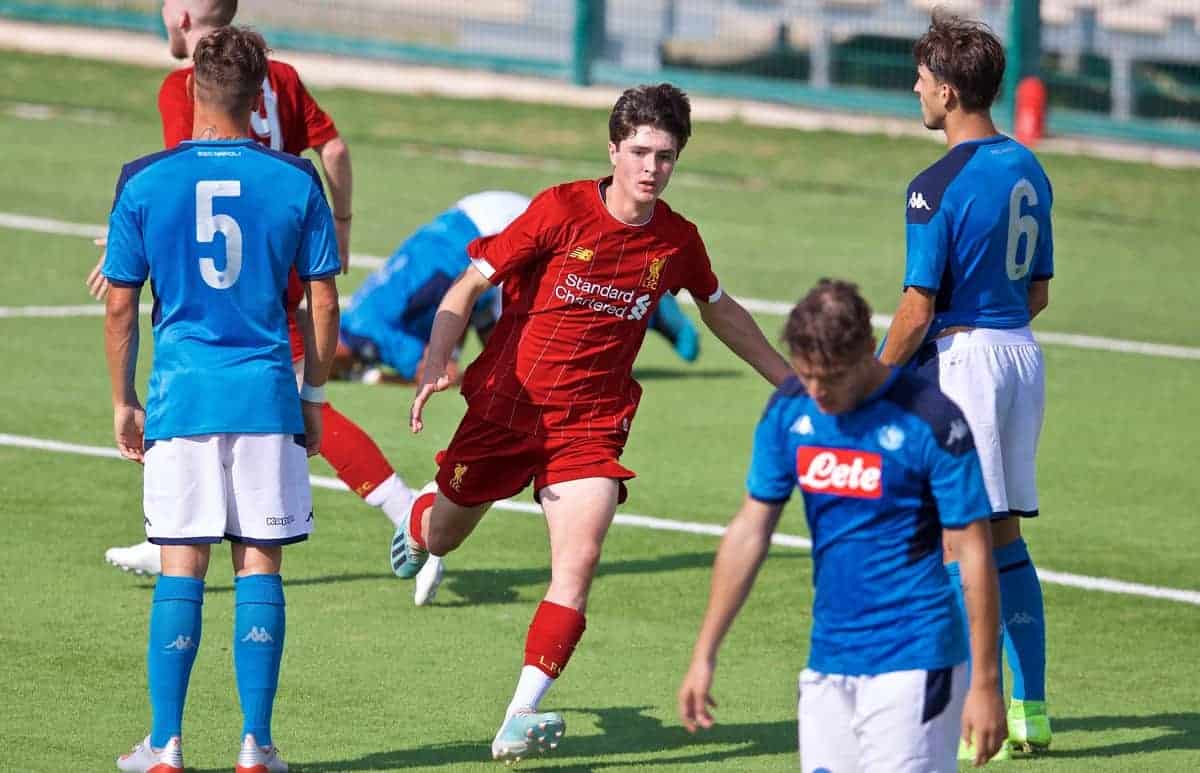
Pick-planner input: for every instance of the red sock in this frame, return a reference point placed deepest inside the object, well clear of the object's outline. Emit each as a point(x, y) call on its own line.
point(423, 505)
point(352, 453)
point(553, 634)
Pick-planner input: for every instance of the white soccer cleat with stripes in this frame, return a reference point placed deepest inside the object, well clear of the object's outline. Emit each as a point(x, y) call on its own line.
point(259, 759)
point(144, 758)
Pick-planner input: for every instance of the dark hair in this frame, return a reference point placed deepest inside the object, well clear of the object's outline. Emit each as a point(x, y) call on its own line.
point(965, 54)
point(663, 107)
point(231, 63)
point(831, 325)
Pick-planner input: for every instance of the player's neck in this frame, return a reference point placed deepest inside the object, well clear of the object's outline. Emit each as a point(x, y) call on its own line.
point(625, 208)
point(965, 127)
point(211, 125)
point(877, 375)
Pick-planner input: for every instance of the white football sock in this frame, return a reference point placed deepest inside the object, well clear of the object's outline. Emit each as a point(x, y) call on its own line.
point(393, 497)
point(531, 687)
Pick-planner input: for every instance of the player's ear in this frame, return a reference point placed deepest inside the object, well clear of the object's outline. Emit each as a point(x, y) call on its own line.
point(191, 88)
point(258, 102)
point(612, 153)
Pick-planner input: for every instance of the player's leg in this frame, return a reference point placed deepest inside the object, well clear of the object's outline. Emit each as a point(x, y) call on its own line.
point(1022, 608)
point(578, 514)
point(826, 717)
point(669, 321)
point(270, 506)
point(358, 462)
point(184, 506)
point(910, 721)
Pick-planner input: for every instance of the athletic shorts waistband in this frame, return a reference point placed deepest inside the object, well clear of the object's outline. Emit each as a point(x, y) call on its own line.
point(986, 336)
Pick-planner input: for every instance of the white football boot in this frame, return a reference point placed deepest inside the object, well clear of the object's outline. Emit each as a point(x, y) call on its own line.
point(259, 759)
point(142, 558)
point(144, 758)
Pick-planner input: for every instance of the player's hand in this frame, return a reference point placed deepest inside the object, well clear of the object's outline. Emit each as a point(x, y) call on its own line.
point(432, 380)
point(128, 424)
point(342, 229)
point(984, 723)
point(694, 698)
point(312, 426)
point(97, 283)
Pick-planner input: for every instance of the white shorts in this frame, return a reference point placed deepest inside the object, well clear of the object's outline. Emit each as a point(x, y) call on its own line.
point(997, 378)
point(898, 722)
point(244, 488)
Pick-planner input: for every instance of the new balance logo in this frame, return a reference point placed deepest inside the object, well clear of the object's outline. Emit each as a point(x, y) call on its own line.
point(642, 305)
point(917, 201)
point(259, 635)
point(803, 425)
point(181, 644)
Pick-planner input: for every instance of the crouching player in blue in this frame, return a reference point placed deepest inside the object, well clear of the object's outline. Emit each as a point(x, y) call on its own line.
point(216, 225)
point(390, 318)
point(886, 465)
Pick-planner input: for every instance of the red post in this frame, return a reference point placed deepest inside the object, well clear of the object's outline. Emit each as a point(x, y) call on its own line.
point(1029, 122)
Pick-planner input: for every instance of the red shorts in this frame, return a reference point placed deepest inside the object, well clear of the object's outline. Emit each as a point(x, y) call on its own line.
point(486, 462)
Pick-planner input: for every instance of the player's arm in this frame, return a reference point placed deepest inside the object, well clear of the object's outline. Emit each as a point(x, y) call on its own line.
point(320, 331)
point(1039, 296)
point(739, 557)
point(983, 713)
point(339, 176)
point(449, 327)
point(731, 323)
point(121, 351)
point(909, 326)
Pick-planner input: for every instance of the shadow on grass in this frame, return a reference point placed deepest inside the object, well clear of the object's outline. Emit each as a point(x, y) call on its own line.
point(1178, 732)
point(682, 372)
point(624, 731)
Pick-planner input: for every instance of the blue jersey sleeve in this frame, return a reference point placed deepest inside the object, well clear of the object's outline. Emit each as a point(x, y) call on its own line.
point(1043, 259)
point(318, 254)
point(928, 247)
point(125, 263)
point(772, 473)
point(955, 477)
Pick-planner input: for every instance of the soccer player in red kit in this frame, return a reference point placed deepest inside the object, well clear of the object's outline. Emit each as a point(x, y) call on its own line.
point(551, 398)
point(290, 120)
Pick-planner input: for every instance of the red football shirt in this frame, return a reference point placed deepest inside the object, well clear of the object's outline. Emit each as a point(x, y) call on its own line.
point(289, 120)
point(579, 286)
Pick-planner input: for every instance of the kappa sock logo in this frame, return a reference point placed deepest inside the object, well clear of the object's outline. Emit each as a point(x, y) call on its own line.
point(181, 644)
point(259, 635)
point(1021, 618)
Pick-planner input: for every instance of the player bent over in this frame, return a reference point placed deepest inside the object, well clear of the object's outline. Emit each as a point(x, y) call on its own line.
point(551, 398)
point(886, 465)
point(216, 225)
point(288, 119)
point(980, 258)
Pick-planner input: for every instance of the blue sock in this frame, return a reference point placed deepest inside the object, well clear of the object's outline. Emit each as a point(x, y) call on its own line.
point(258, 628)
point(956, 584)
point(171, 651)
point(1024, 620)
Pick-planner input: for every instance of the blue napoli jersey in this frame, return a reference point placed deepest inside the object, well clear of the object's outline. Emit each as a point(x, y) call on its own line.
point(216, 226)
point(879, 485)
point(978, 232)
point(403, 295)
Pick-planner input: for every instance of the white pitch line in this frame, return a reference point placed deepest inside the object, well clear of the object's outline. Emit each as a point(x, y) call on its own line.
point(1083, 582)
point(753, 305)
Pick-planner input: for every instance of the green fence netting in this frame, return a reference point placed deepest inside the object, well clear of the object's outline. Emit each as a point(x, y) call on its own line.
point(1126, 68)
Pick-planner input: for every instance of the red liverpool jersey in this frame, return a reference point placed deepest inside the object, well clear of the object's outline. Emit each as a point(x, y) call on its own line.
point(579, 287)
point(289, 120)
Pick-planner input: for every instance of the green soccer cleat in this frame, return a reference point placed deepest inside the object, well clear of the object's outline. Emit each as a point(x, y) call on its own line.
point(407, 556)
point(1028, 726)
point(966, 752)
point(526, 732)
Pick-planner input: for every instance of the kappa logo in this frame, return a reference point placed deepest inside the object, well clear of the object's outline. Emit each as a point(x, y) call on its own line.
point(958, 431)
point(459, 471)
point(844, 472)
point(917, 201)
point(181, 644)
point(258, 635)
point(1021, 618)
point(640, 307)
point(803, 426)
point(582, 253)
point(654, 273)
point(279, 520)
point(891, 437)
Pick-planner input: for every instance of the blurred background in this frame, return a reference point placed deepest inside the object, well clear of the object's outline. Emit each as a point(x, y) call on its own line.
point(1126, 69)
